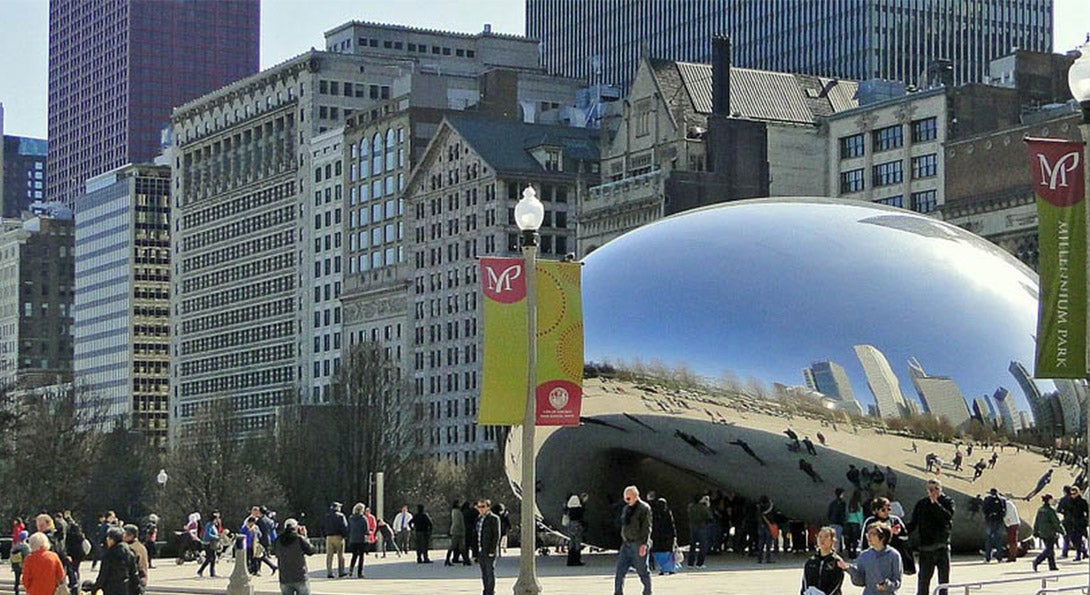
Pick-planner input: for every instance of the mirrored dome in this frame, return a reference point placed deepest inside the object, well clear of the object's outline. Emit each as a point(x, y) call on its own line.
point(880, 305)
point(865, 310)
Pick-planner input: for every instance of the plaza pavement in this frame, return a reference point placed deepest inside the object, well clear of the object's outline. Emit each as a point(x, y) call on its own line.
point(726, 574)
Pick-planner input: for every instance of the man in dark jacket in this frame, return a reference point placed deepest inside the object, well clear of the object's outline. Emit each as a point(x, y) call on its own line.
point(635, 538)
point(73, 547)
point(932, 520)
point(292, 549)
point(421, 525)
point(336, 530)
point(117, 575)
point(837, 515)
point(487, 532)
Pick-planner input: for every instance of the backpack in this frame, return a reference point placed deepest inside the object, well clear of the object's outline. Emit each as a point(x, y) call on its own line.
point(994, 508)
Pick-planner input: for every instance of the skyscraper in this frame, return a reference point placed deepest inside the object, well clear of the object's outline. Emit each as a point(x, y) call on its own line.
point(1046, 417)
point(1004, 403)
point(882, 382)
point(121, 329)
point(902, 40)
point(939, 394)
point(118, 67)
point(830, 379)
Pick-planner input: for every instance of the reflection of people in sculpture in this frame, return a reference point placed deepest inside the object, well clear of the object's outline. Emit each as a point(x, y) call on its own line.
point(821, 438)
point(695, 442)
point(1041, 483)
point(747, 449)
point(791, 434)
point(809, 446)
point(808, 469)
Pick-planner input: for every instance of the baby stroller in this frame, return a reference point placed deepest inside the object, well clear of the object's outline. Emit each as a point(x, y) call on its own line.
point(189, 548)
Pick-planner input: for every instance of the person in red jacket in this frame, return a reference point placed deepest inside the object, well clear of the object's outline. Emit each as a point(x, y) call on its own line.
point(42, 569)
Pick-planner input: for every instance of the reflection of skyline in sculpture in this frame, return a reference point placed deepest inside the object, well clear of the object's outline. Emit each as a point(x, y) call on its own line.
point(830, 379)
point(1004, 404)
point(922, 289)
point(940, 395)
point(882, 382)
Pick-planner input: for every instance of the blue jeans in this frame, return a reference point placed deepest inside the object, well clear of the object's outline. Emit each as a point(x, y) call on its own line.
point(629, 557)
point(302, 588)
point(994, 539)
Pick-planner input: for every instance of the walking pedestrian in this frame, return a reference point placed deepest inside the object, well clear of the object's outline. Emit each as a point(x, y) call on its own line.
point(764, 517)
point(822, 571)
point(635, 535)
point(837, 514)
point(699, 518)
point(878, 569)
point(1047, 528)
point(42, 572)
point(292, 548)
point(663, 536)
point(457, 549)
point(209, 538)
point(401, 528)
point(117, 574)
point(932, 521)
point(132, 532)
point(1011, 523)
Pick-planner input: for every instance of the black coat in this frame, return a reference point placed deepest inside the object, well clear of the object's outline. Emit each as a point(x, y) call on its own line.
point(822, 572)
point(117, 574)
point(490, 534)
point(932, 522)
point(663, 529)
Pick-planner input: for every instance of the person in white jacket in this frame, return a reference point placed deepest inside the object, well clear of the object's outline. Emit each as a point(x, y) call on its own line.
point(1011, 522)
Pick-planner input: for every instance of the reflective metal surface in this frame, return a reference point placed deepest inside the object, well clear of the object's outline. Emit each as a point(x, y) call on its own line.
point(763, 289)
point(863, 303)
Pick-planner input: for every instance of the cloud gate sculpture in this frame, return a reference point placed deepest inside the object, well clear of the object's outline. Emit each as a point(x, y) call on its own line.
point(863, 309)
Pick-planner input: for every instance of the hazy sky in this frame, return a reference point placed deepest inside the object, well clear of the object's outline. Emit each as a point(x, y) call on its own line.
point(290, 27)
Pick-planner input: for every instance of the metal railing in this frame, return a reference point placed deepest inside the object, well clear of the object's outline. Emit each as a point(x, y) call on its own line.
point(1073, 589)
point(1044, 579)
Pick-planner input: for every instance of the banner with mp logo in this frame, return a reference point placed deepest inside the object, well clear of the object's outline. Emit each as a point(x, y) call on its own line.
point(559, 388)
point(1058, 182)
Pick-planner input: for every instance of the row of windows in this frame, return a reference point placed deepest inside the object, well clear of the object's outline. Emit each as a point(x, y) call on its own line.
point(421, 48)
point(890, 137)
point(236, 251)
point(246, 336)
point(221, 384)
point(888, 173)
point(235, 229)
point(248, 270)
point(349, 89)
point(322, 368)
point(252, 313)
point(239, 294)
point(239, 359)
point(327, 343)
point(921, 202)
point(322, 317)
point(330, 242)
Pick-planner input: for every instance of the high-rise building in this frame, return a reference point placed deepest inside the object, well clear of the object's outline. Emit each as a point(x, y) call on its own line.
point(459, 205)
point(122, 304)
point(36, 298)
point(913, 41)
point(882, 382)
point(118, 67)
point(23, 160)
point(940, 395)
point(1047, 415)
point(982, 409)
point(1004, 403)
point(830, 379)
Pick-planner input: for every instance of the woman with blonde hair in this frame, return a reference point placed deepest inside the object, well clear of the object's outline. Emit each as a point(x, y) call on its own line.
point(42, 569)
point(357, 539)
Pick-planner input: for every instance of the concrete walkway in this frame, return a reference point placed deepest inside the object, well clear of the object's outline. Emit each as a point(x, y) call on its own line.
point(726, 574)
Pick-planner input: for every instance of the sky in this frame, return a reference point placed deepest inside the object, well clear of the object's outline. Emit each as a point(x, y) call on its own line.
point(290, 27)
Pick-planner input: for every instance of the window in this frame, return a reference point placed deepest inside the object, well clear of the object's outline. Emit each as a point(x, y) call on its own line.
point(924, 130)
point(924, 202)
point(893, 201)
point(851, 181)
point(887, 138)
point(890, 172)
point(851, 146)
point(924, 166)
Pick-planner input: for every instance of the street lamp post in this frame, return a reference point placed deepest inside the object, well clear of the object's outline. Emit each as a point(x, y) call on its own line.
point(1078, 78)
point(529, 213)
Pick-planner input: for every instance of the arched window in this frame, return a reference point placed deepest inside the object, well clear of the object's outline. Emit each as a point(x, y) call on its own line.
point(376, 154)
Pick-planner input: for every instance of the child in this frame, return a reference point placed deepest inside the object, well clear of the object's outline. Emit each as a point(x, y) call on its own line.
point(19, 552)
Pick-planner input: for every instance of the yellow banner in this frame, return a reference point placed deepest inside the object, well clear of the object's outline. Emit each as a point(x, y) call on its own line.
point(559, 342)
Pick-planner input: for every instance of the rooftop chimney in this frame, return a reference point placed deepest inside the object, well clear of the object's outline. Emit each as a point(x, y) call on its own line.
point(721, 75)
